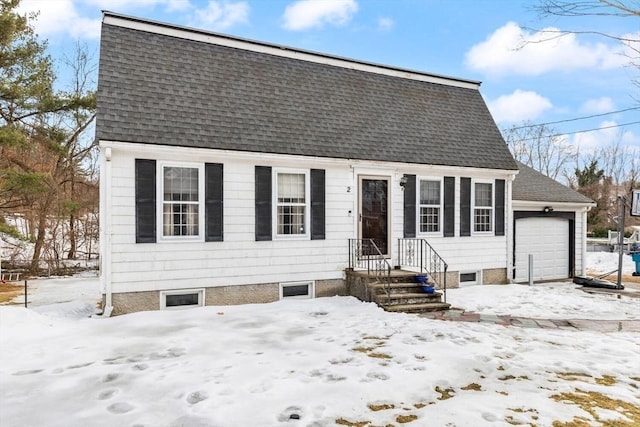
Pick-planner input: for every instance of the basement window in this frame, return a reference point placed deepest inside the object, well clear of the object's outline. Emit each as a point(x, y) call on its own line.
point(181, 299)
point(469, 278)
point(297, 290)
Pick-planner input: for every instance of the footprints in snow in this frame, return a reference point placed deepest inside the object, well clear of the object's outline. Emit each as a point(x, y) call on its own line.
point(120, 408)
point(197, 397)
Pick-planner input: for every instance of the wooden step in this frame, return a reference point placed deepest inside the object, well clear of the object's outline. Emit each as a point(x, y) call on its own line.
point(417, 308)
point(407, 298)
point(410, 287)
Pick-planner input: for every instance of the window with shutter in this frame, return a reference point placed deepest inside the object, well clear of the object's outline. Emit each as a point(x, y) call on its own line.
point(178, 200)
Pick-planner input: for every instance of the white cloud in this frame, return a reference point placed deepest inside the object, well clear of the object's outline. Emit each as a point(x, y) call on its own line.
point(385, 24)
point(609, 133)
point(514, 50)
point(221, 15)
point(519, 106)
point(60, 16)
point(306, 14)
point(598, 105)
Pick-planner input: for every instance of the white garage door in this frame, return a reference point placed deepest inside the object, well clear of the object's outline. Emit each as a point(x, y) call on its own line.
point(547, 239)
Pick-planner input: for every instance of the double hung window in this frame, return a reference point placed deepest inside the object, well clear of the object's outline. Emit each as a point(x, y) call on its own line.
point(483, 207)
point(291, 203)
point(181, 201)
point(430, 206)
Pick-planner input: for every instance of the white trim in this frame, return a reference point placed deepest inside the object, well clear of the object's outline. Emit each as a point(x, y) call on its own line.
point(160, 165)
point(163, 298)
point(440, 231)
point(635, 202)
point(509, 228)
point(274, 203)
point(106, 229)
point(583, 244)
point(371, 167)
point(282, 51)
point(520, 205)
point(310, 294)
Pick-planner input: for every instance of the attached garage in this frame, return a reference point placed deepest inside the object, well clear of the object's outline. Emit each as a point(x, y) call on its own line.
point(549, 223)
point(547, 240)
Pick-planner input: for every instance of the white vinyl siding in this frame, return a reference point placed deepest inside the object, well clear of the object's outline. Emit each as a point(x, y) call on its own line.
point(239, 259)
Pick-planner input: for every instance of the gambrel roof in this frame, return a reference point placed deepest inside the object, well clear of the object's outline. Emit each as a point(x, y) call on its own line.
point(531, 185)
point(169, 85)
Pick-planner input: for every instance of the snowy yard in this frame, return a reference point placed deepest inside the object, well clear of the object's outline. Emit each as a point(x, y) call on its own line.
point(322, 362)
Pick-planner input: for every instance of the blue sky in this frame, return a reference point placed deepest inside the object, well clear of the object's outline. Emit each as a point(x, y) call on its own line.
point(565, 79)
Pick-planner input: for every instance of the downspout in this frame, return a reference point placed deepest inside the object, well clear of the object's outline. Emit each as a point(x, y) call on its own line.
point(107, 233)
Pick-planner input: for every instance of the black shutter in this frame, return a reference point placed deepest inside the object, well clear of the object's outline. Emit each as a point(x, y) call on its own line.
point(449, 205)
point(499, 209)
point(465, 206)
point(263, 203)
point(213, 202)
point(145, 171)
point(317, 204)
point(410, 206)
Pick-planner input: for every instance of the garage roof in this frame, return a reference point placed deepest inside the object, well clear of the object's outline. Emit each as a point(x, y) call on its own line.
point(531, 185)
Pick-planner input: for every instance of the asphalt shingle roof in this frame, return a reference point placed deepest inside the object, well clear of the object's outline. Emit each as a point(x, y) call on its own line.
point(158, 89)
point(531, 185)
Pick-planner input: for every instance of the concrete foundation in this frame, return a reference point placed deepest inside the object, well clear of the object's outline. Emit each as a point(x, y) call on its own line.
point(130, 302)
point(495, 276)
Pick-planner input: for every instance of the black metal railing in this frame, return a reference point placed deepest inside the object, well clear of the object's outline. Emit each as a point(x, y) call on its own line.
point(418, 253)
point(364, 254)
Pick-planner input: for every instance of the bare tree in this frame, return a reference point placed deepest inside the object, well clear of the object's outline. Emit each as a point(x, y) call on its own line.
point(616, 160)
point(539, 147)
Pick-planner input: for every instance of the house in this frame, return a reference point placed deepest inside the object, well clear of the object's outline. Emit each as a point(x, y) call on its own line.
point(236, 171)
point(550, 224)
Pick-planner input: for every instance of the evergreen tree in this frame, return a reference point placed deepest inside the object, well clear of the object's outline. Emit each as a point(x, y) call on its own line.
point(41, 158)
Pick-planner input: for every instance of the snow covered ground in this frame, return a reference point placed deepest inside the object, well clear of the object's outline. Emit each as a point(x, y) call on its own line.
point(323, 362)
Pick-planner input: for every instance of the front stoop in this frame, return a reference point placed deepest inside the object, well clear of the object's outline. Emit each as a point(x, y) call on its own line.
point(405, 296)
